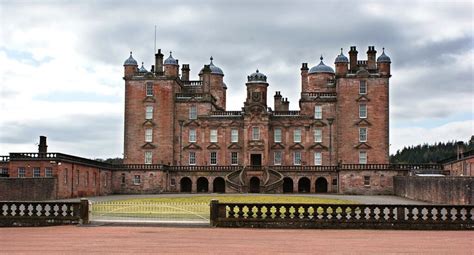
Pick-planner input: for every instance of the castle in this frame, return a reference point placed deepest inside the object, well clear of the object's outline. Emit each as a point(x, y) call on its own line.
point(179, 136)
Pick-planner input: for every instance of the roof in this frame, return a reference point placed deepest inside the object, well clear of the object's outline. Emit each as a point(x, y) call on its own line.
point(321, 68)
point(130, 61)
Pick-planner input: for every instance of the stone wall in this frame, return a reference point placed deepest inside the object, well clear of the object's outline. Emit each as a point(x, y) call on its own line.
point(367, 182)
point(27, 189)
point(453, 190)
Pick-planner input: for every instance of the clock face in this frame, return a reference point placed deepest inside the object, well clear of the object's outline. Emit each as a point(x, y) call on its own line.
point(256, 96)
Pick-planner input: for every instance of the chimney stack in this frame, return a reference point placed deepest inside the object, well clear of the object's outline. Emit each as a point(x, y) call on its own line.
point(185, 72)
point(353, 59)
point(460, 149)
point(159, 63)
point(42, 147)
point(371, 52)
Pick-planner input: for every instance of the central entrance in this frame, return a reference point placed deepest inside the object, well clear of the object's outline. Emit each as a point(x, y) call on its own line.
point(255, 159)
point(254, 185)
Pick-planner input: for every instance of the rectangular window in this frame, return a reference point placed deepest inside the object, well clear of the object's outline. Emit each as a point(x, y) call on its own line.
point(213, 137)
point(148, 135)
point(234, 135)
point(149, 112)
point(318, 135)
point(362, 157)
point(297, 158)
point(255, 133)
point(234, 158)
point(4, 171)
point(277, 135)
point(36, 172)
point(86, 180)
point(213, 158)
point(318, 159)
point(362, 88)
point(318, 112)
point(137, 180)
point(277, 155)
point(193, 112)
point(297, 136)
point(366, 180)
point(192, 135)
point(149, 89)
point(362, 111)
point(192, 158)
point(77, 177)
point(48, 172)
point(65, 176)
point(148, 157)
point(363, 134)
point(21, 172)
point(123, 179)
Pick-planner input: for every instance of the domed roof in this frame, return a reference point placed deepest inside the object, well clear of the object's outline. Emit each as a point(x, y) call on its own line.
point(130, 61)
point(321, 68)
point(170, 60)
point(142, 69)
point(214, 69)
point(257, 77)
point(383, 58)
point(341, 58)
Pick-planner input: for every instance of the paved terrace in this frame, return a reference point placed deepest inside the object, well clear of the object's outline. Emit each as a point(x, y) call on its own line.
point(160, 240)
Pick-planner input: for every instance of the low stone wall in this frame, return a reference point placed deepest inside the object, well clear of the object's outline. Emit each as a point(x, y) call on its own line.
point(27, 189)
point(453, 190)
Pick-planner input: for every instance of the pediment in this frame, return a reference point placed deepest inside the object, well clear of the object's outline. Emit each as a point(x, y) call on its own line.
point(236, 124)
point(148, 146)
point(363, 122)
point(362, 73)
point(256, 145)
point(318, 146)
point(277, 146)
point(234, 146)
point(192, 123)
point(192, 146)
point(148, 123)
point(149, 99)
point(363, 98)
point(297, 146)
point(363, 145)
point(213, 146)
point(318, 123)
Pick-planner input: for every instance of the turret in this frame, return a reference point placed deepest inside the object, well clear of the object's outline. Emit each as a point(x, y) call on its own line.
point(257, 89)
point(318, 77)
point(383, 64)
point(341, 63)
point(353, 58)
point(185, 72)
point(216, 84)
point(371, 52)
point(130, 66)
point(171, 66)
point(304, 76)
point(158, 63)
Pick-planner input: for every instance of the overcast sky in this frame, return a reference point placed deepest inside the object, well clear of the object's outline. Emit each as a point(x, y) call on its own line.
point(61, 61)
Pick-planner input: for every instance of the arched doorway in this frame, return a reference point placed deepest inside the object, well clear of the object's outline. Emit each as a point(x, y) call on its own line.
point(218, 185)
point(185, 184)
point(202, 184)
point(254, 185)
point(287, 185)
point(304, 185)
point(321, 185)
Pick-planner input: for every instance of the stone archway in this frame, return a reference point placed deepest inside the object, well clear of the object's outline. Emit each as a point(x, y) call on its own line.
point(321, 185)
point(202, 184)
point(287, 185)
point(185, 184)
point(304, 185)
point(218, 185)
point(254, 186)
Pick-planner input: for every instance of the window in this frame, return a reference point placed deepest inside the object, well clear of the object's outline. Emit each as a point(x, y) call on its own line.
point(297, 158)
point(86, 180)
point(48, 172)
point(65, 176)
point(362, 111)
point(123, 178)
point(234, 158)
point(277, 135)
point(149, 113)
point(137, 180)
point(4, 171)
point(192, 158)
point(363, 134)
point(318, 135)
point(297, 136)
point(192, 135)
point(366, 180)
point(234, 135)
point(193, 112)
point(277, 158)
point(213, 138)
point(149, 89)
point(148, 135)
point(77, 177)
point(94, 180)
point(362, 88)
point(36, 172)
point(21, 172)
point(318, 160)
point(255, 133)
point(213, 158)
point(148, 157)
point(362, 157)
point(318, 112)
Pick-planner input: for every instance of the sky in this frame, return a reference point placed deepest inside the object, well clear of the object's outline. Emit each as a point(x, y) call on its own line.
point(62, 61)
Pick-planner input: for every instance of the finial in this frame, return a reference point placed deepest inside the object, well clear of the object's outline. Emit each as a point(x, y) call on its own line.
point(383, 50)
point(130, 53)
point(257, 70)
point(142, 63)
point(321, 58)
point(341, 51)
point(171, 53)
point(211, 59)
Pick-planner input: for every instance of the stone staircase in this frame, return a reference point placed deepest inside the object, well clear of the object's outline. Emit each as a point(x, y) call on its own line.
point(237, 180)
